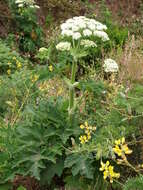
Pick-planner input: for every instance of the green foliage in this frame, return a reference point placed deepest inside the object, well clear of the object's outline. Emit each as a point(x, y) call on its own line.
point(135, 183)
point(21, 188)
point(9, 58)
point(29, 32)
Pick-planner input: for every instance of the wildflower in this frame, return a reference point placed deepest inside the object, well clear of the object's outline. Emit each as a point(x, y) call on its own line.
point(67, 33)
point(76, 35)
point(83, 139)
point(108, 171)
point(18, 65)
point(51, 68)
point(34, 78)
point(87, 32)
point(63, 46)
point(110, 66)
point(8, 71)
point(121, 148)
point(101, 34)
point(87, 43)
point(82, 126)
point(81, 26)
point(88, 130)
point(23, 3)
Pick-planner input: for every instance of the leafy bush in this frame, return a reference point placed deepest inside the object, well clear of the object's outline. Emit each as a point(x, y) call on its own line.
point(29, 32)
point(10, 60)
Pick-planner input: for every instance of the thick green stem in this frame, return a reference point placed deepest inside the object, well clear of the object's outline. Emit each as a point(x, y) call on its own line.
point(72, 89)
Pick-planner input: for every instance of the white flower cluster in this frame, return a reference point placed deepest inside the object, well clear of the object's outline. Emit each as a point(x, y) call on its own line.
point(63, 46)
point(87, 43)
point(82, 26)
point(28, 3)
point(110, 66)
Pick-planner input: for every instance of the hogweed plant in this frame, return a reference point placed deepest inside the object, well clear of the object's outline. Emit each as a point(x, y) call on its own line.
point(79, 34)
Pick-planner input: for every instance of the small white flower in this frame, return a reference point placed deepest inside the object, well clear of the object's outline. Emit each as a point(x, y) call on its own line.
point(110, 66)
point(87, 43)
point(91, 26)
point(63, 46)
point(65, 26)
point(101, 34)
point(67, 33)
point(76, 35)
point(28, 3)
point(87, 32)
point(75, 28)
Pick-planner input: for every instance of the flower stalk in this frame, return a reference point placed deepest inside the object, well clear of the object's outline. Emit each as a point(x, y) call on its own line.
point(72, 90)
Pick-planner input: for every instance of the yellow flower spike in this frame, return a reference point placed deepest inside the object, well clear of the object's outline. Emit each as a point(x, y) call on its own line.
point(102, 166)
point(123, 140)
point(89, 137)
point(51, 68)
point(81, 140)
point(117, 150)
point(8, 71)
point(18, 65)
point(126, 149)
point(82, 126)
point(85, 138)
point(107, 163)
point(105, 174)
point(117, 142)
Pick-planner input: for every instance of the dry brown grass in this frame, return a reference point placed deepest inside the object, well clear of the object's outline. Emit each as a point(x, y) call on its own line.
point(130, 59)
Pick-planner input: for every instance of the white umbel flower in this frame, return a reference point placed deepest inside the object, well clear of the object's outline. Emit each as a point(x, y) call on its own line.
point(101, 34)
point(87, 43)
point(85, 26)
point(67, 33)
point(76, 35)
point(87, 32)
point(63, 46)
point(110, 66)
point(28, 3)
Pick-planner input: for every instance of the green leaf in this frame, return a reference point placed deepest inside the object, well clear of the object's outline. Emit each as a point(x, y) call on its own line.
point(79, 164)
point(21, 188)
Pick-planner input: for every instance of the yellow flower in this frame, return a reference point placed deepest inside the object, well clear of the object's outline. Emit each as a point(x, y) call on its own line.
point(8, 71)
point(51, 68)
point(14, 58)
point(108, 171)
point(121, 148)
point(18, 65)
point(83, 139)
point(117, 142)
point(126, 149)
point(34, 78)
point(82, 126)
point(117, 150)
point(105, 174)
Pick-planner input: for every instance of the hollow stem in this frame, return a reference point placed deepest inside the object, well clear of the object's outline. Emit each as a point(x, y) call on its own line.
point(72, 90)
